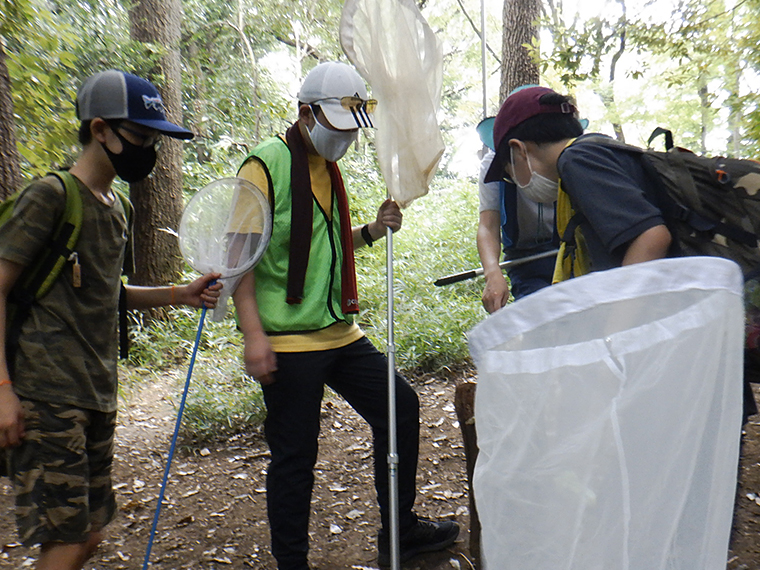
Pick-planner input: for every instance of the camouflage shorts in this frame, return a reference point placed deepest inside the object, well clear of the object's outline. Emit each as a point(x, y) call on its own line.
point(62, 473)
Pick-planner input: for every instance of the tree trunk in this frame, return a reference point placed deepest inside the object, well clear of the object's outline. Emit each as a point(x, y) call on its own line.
point(199, 105)
point(158, 199)
point(733, 75)
point(10, 172)
point(704, 112)
point(607, 92)
point(517, 67)
point(464, 404)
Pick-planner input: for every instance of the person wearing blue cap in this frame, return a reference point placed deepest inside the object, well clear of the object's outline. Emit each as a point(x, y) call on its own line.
point(58, 386)
point(512, 223)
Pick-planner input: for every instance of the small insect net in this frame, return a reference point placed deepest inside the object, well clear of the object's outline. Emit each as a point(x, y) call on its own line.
point(225, 229)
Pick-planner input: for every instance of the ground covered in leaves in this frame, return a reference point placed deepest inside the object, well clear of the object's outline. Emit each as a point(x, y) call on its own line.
point(214, 509)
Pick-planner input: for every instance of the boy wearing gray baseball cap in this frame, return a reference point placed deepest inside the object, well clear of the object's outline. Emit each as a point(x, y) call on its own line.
point(58, 385)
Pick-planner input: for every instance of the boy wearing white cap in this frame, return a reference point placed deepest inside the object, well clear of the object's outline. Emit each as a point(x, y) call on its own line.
point(58, 388)
point(296, 311)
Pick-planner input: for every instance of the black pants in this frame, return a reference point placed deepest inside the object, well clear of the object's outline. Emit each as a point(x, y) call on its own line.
point(359, 373)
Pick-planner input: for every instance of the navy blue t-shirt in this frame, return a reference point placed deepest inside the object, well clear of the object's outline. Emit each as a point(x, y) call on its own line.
point(615, 196)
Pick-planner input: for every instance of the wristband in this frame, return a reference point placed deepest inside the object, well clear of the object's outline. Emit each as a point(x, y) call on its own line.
point(4, 382)
point(366, 235)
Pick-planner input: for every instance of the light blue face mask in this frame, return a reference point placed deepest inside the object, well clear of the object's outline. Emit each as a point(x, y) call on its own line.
point(331, 145)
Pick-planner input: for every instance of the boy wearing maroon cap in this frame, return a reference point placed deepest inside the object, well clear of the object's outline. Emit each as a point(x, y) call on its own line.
point(620, 222)
point(58, 390)
point(611, 195)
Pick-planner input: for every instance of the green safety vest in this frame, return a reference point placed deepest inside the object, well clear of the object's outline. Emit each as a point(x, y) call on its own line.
point(321, 304)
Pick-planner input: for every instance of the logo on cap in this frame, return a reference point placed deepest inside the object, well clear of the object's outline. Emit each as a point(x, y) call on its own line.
point(154, 103)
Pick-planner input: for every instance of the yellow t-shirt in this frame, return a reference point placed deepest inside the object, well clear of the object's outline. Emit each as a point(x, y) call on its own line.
point(321, 185)
point(334, 336)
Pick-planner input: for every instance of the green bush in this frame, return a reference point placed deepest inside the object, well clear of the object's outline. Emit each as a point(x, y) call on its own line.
point(223, 400)
point(437, 239)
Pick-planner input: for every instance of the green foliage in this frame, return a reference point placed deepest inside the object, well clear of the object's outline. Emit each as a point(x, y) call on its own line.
point(41, 63)
point(461, 95)
point(580, 48)
point(52, 47)
point(437, 239)
point(16, 16)
point(161, 344)
point(749, 39)
point(243, 62)
point(687, 69)
point(223, 400)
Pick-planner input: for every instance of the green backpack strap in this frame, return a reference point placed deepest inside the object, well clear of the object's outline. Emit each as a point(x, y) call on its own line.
point(127, 205)
point(45, 271)
point(37, 279)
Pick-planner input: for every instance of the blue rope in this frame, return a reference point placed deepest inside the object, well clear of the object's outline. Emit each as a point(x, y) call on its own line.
point(174, 438)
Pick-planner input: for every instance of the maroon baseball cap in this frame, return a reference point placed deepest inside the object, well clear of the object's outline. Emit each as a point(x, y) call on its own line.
point(520, 106)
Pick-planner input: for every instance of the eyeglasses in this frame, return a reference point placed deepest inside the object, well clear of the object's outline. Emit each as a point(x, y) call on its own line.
point(146, 141)
point(352, 103)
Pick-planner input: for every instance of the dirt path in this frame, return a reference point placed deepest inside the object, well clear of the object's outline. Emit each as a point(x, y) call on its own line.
point(213, 516)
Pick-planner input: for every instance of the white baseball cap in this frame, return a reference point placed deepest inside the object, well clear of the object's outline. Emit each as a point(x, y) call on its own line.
point(341, 94)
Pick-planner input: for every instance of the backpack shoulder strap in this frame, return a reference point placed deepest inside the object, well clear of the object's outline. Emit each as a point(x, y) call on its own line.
point(64, 237)
point(129, 209)
point(44, 272)
point(39, 277)
point(509, 228)
point(129, 212)
point(572, 259)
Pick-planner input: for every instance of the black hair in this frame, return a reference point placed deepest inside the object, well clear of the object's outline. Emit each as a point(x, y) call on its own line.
point(313, 106)
point(85, 136)
point(545, 127)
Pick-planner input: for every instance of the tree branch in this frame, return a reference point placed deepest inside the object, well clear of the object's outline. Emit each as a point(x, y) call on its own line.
point(309, 51)
point(477, 31)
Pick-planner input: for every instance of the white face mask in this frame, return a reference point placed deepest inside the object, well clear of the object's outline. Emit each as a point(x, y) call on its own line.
point(539, 188)
point(331, 145)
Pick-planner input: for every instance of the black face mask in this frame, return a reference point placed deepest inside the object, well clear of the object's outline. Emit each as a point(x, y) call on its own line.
point(134, 163)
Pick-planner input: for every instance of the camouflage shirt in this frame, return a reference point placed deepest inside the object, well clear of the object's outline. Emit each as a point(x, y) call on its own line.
point(68, 345)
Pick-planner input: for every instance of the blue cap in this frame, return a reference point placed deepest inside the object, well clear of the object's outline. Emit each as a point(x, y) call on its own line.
point(115, 94)
point(485, 131)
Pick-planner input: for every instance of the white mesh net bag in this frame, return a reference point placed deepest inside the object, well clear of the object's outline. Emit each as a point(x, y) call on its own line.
point(394, 49)
point(225, 228)
point(608, 414)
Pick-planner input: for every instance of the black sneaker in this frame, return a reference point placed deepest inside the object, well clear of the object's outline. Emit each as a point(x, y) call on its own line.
point(425, 536)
